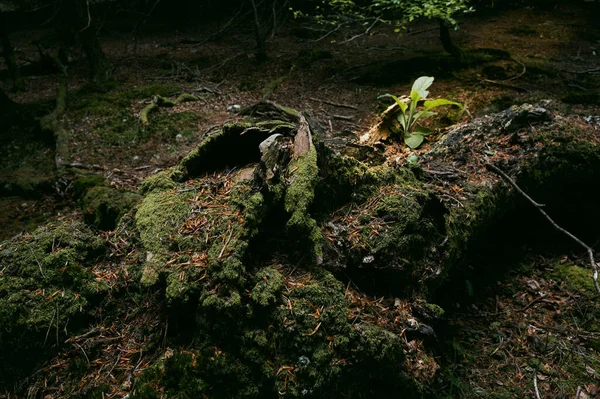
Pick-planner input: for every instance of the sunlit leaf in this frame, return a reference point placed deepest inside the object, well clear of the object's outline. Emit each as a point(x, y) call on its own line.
point(421, 85)
point(430, 104)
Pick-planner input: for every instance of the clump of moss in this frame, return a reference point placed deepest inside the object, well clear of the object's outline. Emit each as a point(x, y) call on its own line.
point(46, 292)
point(299, 197)
point(160, 181)
point(104, 206)
point(575, 278)
point(269, 283)
point(158, 218)
point(82, 184)
point(294, 338)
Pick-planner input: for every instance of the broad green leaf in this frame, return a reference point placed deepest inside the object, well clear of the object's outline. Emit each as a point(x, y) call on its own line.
point(423, 114)
point(430, 104)
point(402, 120)
point(421, 85)
point(402, 105)
point(423, 131)
point(415, 97)
point(413, 140)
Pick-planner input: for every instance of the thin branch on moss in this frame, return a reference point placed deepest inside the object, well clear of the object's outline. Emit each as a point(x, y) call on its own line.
point(589, 250)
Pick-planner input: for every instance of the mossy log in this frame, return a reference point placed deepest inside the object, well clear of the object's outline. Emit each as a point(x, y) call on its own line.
point(250, 269)
point(160, 101)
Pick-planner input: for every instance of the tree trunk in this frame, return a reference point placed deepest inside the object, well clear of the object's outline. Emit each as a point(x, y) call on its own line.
point(447, 42)
point(79, 15)
point(9, 54)
point(261, 51)
point(5, 102)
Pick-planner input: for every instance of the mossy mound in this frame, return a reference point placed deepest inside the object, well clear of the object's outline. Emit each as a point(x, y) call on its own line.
point(104, 206)
point(299, 338)
point(47, 290)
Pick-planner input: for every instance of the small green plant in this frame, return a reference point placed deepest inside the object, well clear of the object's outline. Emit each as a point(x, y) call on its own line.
point(408, 116)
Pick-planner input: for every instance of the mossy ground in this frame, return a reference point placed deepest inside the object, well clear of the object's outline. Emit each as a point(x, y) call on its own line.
point(46, 293)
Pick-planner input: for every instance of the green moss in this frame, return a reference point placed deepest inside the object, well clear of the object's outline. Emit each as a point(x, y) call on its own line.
point(435, 310)
point(269, 283)
point(105, 101)
point(575, 278)
point(161, 181)
point(158, 219)
point(299, 197)
point(296, 339)
point(47, 291)
point(82, 184)
point(104, 206)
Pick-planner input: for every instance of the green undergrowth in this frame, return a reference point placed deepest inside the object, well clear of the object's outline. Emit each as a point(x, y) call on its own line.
point(46, 292)
point(109, 109)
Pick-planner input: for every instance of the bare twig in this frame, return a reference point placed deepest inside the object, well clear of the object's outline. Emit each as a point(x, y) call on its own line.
point(589, 250)
point(512, 183)
point(587, 71)
point(84, 354)
point(89, 16)
point(343, 117)
point(364, 33)
point(332, 103)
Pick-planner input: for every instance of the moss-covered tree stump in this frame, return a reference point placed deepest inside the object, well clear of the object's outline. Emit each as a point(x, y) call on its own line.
point(268, 264)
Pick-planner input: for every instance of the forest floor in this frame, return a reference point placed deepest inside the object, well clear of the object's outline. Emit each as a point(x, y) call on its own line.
point(541, 321)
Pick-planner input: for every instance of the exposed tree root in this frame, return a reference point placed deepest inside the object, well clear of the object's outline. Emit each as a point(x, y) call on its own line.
point(160, 101)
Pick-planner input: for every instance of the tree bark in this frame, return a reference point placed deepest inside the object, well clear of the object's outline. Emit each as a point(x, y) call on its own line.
point(447, 42)
point(79, 14)
point(261, 51)
point(5, 101)
point(9, 54)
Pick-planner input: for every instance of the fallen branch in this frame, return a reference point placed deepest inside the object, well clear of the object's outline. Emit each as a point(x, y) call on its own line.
point(160, 101)
point(343, 117)
point(333, 104)
point(589, 250)
point(79, 165)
